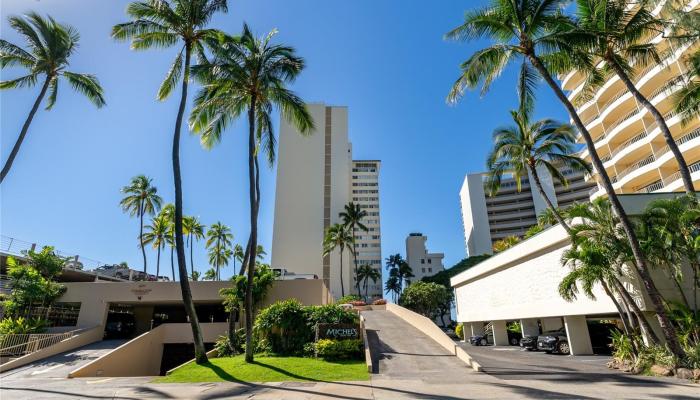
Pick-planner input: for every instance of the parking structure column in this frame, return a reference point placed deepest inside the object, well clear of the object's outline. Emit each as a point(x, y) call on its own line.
point(477, 328)
point(500, 333)
point(529, 327)
point(551, 324)
point(577, 333)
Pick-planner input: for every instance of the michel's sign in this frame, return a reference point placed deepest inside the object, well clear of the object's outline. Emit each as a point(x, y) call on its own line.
point(337, 331)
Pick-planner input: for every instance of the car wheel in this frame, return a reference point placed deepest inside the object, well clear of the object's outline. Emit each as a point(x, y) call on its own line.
point(563, 348)
point(514, 341)
point(483, 342)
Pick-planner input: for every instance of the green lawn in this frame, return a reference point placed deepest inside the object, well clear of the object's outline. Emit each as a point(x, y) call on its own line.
point(269, 369)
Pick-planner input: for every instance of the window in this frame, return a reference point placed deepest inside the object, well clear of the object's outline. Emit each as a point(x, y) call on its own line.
point(430, 270)
point(430, 261)
point(423, 270)
point(422, 260)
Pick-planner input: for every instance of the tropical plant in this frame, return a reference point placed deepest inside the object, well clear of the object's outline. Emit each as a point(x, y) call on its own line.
point(21, 326)
point(161, 24)
point(621, 36)
point(364, 274)
point(526, 148)
point(141, 198)
point(443, 277)
point(334, 349)
point(505, 243)
point(209, 275)
point(234, 296)
point(249, 75)
point(542, 37)
point(49, 48)
point(194, 231)
point(219, 242)
point(195, 275)
point(352, 217)
point(33, 282)
point(238, 254)
point(168, 215)
point(338, 237)
point(348, 298)
point(157, 235)
point(427, 299)
point(399, 268)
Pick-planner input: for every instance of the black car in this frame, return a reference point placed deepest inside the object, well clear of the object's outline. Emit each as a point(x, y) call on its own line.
point(554, 342)
point(120, 326)
point(487, 339)
point(529, 342)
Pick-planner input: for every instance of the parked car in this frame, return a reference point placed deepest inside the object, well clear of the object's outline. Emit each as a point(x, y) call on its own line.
point(529, 342)
point(487, 339)
point(554, 342)
point(120, 326)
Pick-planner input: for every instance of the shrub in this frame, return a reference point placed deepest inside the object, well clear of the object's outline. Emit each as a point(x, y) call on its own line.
point(284, 325)
point(348, 299)
point(225, 348)
point(379, 302)
point(21, 325)
point(459, 331)
point(330, 314)
point(339, 349)
point(358, 303)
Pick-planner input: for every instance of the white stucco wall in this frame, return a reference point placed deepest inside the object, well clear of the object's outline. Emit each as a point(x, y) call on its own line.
point(475, 221)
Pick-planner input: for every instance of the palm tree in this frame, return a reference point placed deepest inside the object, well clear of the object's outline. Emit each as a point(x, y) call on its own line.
point(157, 234)
point(338, 237)
point(219, 241)
point(160, 24)
point(194, 231)
point(195, 276)
point(209, 275)
point(541, 36)
point(521, 149)
point(140, 198)
point(238, 254)
point(364, 274)
point(49, 48)
point(399, 268)
point(352, 217)
point(249, 74)
point(621, 38)
point(392, 286)
point(168, 214)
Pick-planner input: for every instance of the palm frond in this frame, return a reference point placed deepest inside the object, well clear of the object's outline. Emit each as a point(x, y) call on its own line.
point(88, 85)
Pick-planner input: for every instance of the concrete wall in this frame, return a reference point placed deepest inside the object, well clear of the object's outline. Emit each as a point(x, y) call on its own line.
point(83, 338)
point(424, 325)
point(142, 356)
point(95, 297)
point(522, 282)
point(475, 221)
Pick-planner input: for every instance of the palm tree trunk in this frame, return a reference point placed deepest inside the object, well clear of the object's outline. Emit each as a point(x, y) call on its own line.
point(143, 250)
point(231, 329)
point(354, 259)
point(342, 285)
point(682, 165)
point(23, 132)
point(191, 257)
point(172, 262)
point(244, 262)
point(623, 316)
point(639, 260)
point(538, 183)
point(636, 310)
point(158, 264)
point(199, 350)
point(253, 232)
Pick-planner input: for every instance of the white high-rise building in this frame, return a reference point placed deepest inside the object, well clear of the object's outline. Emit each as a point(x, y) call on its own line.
point(488, 219)
point(421, 262)
point(314, 183)
point(368, 245)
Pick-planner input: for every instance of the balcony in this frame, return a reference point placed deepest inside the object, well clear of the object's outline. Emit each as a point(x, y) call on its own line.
point(658, 185)
point(645, 161)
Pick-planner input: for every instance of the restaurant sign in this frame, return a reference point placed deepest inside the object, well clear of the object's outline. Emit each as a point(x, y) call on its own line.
point(337, 331)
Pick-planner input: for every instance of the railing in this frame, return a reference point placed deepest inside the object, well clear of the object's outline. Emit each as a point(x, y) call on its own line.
point(667, 86)
point(695, 167)
point(658, 185)
point(639, 136)
point(623, 119)
point(591, 119)
point(683, 139)
point(16, 345)
point(18, 248)
point(645, 161)
point(666, 117)
point(593, 190)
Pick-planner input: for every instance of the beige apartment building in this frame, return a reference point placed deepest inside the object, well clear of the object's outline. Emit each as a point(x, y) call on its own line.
point(316, 178)
point(627, 138)
point(511, 212)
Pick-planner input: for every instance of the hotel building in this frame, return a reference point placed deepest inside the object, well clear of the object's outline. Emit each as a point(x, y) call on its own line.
point(421, 262)
point(488, 219)
point(627, 138)
point(316, 178)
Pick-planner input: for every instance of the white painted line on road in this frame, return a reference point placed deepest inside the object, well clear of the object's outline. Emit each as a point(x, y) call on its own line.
point(43, 371)
point(100, 380)
point(505, 349)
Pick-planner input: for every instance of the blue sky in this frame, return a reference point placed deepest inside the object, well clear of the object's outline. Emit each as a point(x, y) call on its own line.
point(384, 59)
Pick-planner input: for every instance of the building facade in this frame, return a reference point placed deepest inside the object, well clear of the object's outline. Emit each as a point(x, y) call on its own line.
point(314, 183)
point(627, 138)
point(488, 219)
point(421, 262)
point(368, 245)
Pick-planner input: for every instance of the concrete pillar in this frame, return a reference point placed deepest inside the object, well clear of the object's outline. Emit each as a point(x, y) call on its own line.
point(477, 328)
point(500, 333)
point(551, 324)
point(529, 327)
point(577, 332)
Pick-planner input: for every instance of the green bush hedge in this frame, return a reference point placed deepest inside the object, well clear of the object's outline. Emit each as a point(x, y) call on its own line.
point(339, 349)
